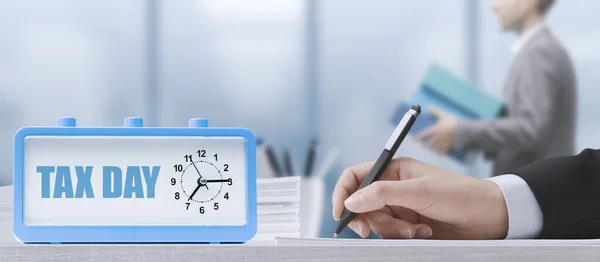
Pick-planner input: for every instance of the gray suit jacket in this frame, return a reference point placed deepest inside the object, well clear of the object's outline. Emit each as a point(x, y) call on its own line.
point(540, 110)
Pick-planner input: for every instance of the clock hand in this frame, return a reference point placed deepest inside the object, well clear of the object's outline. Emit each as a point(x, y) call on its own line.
point(193, 163)
point(195, 190)
point(217, 180)
point(196, 169)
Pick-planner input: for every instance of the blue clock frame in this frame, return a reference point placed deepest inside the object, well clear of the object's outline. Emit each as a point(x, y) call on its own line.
point(134, 234)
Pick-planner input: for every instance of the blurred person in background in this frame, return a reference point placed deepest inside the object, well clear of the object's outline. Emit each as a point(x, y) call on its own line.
point(539, 96)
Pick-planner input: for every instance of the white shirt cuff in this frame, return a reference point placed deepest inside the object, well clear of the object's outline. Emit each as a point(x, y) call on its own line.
point(525, 219)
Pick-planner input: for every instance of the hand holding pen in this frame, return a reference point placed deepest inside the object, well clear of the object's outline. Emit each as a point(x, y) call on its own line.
point(412, 199)
point(382, 162)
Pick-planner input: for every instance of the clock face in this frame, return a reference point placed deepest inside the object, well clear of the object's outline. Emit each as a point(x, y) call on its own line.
point(202, 181)
point(83, 180)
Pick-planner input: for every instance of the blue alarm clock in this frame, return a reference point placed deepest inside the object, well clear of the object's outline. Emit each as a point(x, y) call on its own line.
point(134, 184)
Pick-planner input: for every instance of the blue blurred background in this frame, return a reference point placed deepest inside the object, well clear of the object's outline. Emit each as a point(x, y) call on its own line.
point(289, 70)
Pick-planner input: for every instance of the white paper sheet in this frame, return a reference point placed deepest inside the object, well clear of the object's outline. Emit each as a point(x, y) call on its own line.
point(296, 241)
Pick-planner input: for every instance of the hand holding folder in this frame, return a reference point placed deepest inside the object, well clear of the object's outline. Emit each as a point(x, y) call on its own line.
point(448, 92)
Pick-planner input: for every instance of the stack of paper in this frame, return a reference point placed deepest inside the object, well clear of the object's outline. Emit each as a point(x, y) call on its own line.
point(278, 207)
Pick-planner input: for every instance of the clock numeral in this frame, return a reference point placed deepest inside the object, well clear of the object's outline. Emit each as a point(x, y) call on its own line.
point(226, 195)
point(202, 153)
point(229, 182)
point(216, 206)
point(201, 210)
point(173, 181)
point(226, 168)
point(188, 158)
point(216, 157)
point(178, 168)
point(187, 205)
point(177, 195)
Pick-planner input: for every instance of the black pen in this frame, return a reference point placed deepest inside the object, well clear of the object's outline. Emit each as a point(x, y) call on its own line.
point(287, 157)
point(310, 158)
point(384, 159)
point(273, 161)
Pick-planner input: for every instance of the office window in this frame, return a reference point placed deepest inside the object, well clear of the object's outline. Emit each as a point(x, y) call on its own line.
point(237, 63)
point(580, 35)
point(68, 58)
point(373, 55)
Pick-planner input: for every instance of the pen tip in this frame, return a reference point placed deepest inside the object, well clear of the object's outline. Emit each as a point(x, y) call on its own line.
point(335, 235)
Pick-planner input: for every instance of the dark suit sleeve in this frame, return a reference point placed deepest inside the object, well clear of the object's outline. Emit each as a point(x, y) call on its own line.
point(568, 192)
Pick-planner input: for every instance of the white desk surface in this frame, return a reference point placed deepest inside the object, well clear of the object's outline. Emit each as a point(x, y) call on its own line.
point(12, 250)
